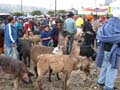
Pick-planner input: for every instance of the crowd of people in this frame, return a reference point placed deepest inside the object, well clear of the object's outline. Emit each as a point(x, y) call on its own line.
point(105, 32)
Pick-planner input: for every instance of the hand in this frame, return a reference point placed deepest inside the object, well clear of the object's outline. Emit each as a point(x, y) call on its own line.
point(13, 45)
point(49, 37)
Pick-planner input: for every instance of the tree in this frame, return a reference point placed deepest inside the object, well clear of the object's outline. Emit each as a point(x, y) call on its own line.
point(51, 12)
point(36, 12)
point(61, 11)
point(18, 14)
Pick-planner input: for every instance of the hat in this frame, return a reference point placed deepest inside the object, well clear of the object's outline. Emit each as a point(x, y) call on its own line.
point(45, 25)
point(70, 14)
point(103, 18)
point(79, 22)
point(89, 17)
point(58, 20)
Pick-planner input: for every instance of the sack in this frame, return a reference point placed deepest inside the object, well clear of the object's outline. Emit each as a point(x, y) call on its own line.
point(51, 43)
point(15, 53)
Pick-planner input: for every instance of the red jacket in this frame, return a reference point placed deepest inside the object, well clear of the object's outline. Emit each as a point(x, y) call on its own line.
point(26, 26)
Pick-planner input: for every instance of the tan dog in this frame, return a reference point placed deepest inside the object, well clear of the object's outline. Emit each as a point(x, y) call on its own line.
point(61, 63)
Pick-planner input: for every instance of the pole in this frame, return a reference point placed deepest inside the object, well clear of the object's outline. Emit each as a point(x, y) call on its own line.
point(96, 7)
point(21, 6)
point(55, 8)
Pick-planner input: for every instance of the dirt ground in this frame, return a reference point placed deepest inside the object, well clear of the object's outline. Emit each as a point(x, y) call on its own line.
point(76, 82)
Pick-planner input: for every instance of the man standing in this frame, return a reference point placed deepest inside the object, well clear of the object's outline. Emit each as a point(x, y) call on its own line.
point(108, 38)
point(11, 38)
point(71, 28)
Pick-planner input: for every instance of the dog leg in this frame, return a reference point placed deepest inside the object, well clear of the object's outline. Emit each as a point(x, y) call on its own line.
point(25, 59)
point(38, 85)
point(16, 83)
point(58, 76)
point(35, 70)
point(66, 77)
point(50, 72)
point(28, 61)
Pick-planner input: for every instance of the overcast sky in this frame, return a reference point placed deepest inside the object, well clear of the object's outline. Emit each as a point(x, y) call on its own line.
point(61, 4)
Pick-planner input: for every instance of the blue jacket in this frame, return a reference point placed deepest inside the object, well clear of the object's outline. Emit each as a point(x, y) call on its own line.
point(45, 34)
point(45, 22)
point(19, 25)
point(109, 32)
point(10, 35)
point(70, 26)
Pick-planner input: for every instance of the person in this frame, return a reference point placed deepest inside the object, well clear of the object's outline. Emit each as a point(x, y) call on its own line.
point(19, 26)
point(88, 30)
point(45, 21)
point(46, 35)
point(55, 31)
point(27, 27)
point(79, 24)
point(108, 37)
point(11, 38)
point(71, 28)
point(2, 28)
point(103, 19)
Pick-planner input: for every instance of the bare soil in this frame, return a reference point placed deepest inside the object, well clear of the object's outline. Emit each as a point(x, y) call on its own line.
point(76, 81)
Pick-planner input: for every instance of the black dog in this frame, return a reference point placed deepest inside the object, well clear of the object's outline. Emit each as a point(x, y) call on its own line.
point(88, 51)
point(24, 48)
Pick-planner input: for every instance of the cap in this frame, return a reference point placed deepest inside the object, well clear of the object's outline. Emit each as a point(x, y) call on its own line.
point(58, 20)
point(70, 14)
point(89, 17)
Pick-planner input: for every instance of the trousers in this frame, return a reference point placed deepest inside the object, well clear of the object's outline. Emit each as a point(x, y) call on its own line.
point(107, 74)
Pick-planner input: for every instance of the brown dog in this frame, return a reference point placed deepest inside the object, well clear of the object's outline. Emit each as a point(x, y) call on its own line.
point(16, 68)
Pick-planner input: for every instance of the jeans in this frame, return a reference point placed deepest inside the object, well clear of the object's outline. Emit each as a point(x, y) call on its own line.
point(107, 74)
point(69, 44)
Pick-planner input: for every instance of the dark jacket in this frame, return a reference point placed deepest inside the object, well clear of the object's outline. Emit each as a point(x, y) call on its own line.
point(55, 33)
point(87, 27)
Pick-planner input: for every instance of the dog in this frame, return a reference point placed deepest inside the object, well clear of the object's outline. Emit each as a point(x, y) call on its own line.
point(16, 68)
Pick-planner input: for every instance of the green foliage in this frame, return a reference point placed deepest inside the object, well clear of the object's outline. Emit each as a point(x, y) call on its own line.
point(36, 12)
point(51, 12)
point(18, 14)
point(61, 11)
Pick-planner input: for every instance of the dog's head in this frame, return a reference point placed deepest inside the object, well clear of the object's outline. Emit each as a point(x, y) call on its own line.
point(58, 50)
point(26, 77)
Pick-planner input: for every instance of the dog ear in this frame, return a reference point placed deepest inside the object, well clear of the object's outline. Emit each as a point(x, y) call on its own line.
point(60, 46)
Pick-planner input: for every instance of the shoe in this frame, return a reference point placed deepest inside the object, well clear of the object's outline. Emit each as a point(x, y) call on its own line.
point(100, 84)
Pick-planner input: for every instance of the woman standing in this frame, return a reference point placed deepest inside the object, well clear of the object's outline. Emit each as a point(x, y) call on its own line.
point(11, 38)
